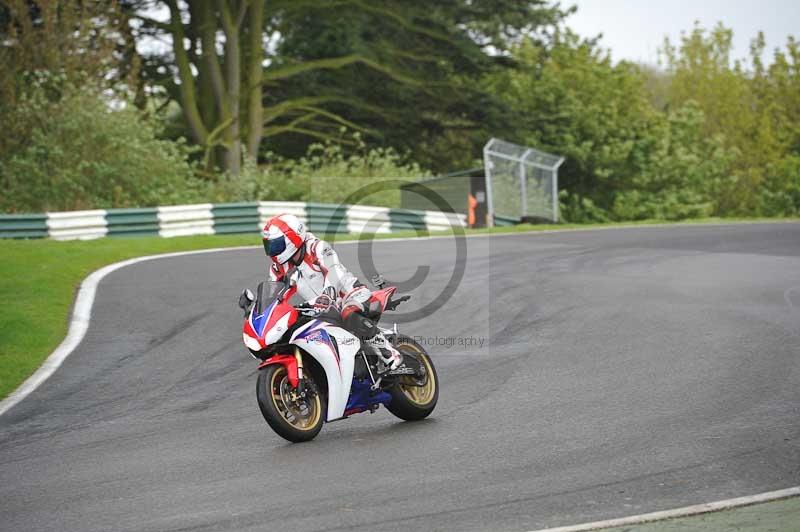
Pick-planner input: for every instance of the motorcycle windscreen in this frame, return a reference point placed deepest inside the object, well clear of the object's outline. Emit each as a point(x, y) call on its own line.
point(266, 293)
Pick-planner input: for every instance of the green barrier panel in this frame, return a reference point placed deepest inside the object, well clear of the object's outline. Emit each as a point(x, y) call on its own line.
point(326, 219)
point(236, 218)
point(132, 222)
point(405, 220)
point(505, 221)
point(23, 226)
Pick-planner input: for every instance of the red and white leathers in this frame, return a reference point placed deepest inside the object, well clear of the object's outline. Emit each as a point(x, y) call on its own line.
point(321, 273)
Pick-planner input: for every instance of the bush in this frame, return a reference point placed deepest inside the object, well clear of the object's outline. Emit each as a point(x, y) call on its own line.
point(326, 174)
point(78, 150)
point(780, 191)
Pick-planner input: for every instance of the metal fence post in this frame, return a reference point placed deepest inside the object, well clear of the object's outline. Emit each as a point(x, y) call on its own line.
point(487, 170)
point(555, 189)
point(523, 185)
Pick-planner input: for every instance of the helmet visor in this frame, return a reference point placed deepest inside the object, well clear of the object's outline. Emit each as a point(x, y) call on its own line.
point(275, 246)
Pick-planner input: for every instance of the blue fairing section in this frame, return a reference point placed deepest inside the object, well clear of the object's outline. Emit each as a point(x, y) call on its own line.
point(312, 328)
point(317, 333)
point(260, 321)
point(361, 397)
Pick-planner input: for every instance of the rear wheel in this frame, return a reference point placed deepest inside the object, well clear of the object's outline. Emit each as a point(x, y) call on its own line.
point(414, 398)
point(293, 417)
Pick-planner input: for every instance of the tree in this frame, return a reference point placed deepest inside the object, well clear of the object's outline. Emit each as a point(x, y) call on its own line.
point(330, 64)
point(83, 153)
point(437, 110)
point(79, 42)
point(569, 99)
point(754, 109)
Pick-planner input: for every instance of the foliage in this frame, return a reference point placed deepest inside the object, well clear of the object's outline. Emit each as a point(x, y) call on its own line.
point(579, 105)
point(82, 43)
point(682, 170)
point(76, 38)
point(354, 63)
point(703, 134)
point(326, 174)
point(707, 137)
point(84, 151)
point(753, 110)
point(780, 193)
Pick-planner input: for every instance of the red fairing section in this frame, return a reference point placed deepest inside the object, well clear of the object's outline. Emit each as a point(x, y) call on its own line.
point(382, 296)
point(248, 330)
point(291, 367)
point(280, 310)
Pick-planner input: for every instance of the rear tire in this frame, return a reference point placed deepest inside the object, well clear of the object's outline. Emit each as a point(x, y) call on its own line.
point(410, 402)
point(295, 420)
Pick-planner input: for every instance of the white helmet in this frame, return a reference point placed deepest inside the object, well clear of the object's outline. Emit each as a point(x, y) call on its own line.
point(283, 235)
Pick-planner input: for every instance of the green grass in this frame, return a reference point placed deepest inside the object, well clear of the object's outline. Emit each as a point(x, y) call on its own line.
point(38, 280)
point(778, 516)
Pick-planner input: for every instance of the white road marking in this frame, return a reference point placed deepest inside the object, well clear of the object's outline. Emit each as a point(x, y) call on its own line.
point(687, 511)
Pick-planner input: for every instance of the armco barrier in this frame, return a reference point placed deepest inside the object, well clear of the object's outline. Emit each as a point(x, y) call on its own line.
point(405, 220)
point(132, 222)
point(327, 219)
point(184, 220)
point(268, 209)
point(235, 218)
point(361, 219)
point(504, 221)
point(221, 218)
point(76, 224)
point(23, 226)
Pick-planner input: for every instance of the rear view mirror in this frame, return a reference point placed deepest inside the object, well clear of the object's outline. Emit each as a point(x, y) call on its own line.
point(246, 299)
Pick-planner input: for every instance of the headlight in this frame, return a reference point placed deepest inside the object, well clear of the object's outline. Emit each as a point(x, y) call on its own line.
point(251, 342)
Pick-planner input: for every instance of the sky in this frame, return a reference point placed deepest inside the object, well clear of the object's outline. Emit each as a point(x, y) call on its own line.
point(635, 29)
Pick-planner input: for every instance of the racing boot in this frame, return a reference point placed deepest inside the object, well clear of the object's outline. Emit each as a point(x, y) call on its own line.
point(389, 359)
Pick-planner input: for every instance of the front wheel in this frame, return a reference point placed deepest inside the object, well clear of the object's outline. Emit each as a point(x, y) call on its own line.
point(414, 398)
point(294, 418)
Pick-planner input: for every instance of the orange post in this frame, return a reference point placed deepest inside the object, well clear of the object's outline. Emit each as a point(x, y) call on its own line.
point(472, 204)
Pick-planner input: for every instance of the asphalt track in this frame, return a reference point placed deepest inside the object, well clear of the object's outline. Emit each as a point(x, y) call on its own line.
point(621, 372)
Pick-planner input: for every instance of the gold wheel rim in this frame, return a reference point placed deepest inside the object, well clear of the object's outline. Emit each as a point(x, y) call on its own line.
point(292, 410)
point(419, 395)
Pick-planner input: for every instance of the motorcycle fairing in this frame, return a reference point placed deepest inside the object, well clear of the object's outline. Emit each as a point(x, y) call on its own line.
point(317, 338)
point(363, 397)
point(268, 327)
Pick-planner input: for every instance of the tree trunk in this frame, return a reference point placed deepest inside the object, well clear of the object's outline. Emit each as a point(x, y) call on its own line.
point(187, 85)
point(233, 82)
point(255, 109)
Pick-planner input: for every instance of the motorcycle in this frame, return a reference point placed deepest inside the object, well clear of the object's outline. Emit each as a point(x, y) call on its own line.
point(314, 370)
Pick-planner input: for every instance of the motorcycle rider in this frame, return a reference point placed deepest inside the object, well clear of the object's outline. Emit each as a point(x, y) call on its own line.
point(322, 279)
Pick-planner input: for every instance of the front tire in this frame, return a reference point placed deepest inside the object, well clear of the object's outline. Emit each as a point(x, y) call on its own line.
point(410, 401)
point(295, 419)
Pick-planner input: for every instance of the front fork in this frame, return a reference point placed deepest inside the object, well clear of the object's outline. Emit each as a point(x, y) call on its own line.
point(294, 367)
point(301, 381)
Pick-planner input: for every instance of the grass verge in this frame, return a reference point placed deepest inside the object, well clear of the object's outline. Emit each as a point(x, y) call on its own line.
point(38, 279)
point(783, 515)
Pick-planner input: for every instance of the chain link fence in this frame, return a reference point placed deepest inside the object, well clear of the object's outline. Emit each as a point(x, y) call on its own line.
point(521, 182)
